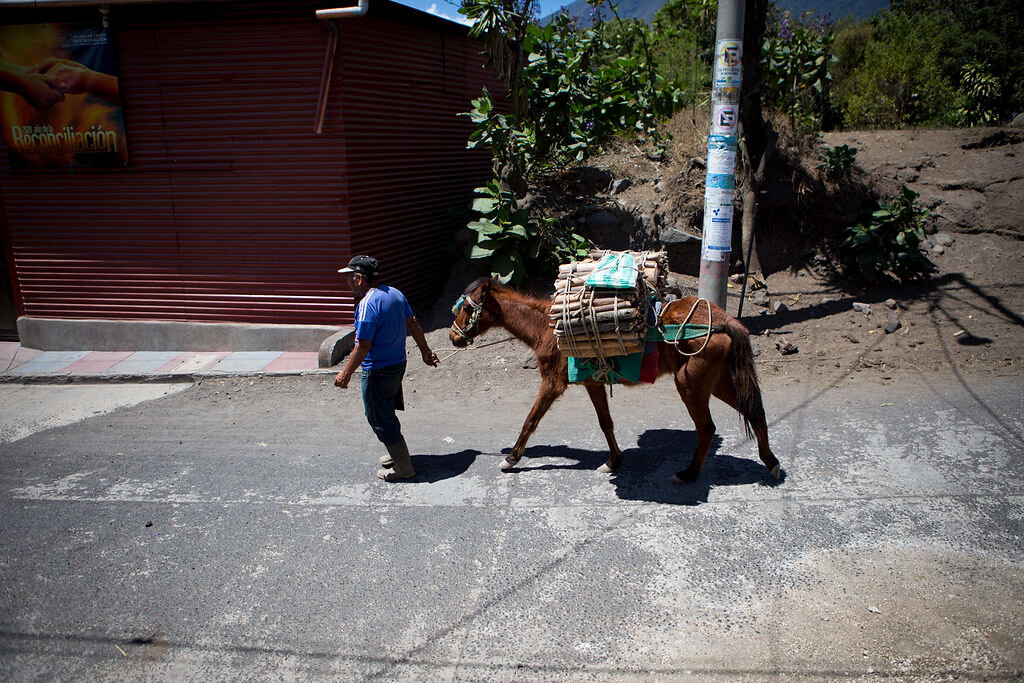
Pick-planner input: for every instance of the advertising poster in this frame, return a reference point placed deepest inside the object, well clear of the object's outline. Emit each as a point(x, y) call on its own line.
point(717, 233)
point(60, 102)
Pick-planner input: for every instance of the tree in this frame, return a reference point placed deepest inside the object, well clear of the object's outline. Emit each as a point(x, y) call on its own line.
point(683, 43)
point(504, 25)
point(570, 90)
point(885, 87)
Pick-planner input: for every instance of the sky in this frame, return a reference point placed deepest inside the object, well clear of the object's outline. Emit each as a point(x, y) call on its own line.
point(449, 9)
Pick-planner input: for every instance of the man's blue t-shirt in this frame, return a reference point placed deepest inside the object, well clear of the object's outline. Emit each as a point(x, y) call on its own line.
point(380, 319)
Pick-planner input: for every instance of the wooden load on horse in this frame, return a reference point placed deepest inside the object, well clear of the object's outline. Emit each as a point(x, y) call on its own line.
point(600, 308)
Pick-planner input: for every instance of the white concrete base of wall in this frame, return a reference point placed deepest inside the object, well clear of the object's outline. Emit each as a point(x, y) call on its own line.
point(52, 334)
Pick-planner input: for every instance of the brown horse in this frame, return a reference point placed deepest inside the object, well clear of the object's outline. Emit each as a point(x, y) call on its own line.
point(720, 365)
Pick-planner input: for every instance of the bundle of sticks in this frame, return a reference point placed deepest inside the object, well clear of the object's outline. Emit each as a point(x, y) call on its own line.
point(600, 322)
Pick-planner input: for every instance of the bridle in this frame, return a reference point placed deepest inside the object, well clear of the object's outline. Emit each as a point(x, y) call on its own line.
point(474, 318)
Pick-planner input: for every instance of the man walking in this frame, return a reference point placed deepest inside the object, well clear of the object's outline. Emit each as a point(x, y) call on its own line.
point(383, 317)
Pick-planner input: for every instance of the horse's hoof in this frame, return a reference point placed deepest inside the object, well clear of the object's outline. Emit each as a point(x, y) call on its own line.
point(606, 469)
point(777, 472)
point(684, 477)
point(507, 465)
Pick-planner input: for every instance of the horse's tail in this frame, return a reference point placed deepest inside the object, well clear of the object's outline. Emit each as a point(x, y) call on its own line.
point(744, 376)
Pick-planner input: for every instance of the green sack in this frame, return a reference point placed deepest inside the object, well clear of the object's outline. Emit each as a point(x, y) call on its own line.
point(615, 271)
point(621, 368)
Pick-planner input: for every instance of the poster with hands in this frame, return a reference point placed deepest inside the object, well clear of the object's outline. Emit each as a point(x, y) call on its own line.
point(60, 102)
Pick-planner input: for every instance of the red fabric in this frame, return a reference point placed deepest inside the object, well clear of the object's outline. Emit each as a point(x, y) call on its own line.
point(649, 367)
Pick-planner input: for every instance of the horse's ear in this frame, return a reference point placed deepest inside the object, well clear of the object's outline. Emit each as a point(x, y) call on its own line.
point(481, 284)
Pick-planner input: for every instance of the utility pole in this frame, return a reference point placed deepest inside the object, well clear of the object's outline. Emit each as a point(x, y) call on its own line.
point(720, 181)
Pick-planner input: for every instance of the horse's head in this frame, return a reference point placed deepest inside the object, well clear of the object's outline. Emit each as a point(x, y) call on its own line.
point(470, 318)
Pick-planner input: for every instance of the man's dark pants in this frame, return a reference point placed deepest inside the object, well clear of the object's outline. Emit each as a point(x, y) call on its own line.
point(382, 396)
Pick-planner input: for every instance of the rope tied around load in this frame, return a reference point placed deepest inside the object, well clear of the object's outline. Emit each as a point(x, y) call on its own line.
point(601, 309)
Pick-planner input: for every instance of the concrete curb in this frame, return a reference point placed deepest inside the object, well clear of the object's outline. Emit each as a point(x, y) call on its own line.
point(336, 347)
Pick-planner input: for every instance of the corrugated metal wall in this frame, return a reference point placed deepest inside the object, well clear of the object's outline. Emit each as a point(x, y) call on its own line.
point(233, 210)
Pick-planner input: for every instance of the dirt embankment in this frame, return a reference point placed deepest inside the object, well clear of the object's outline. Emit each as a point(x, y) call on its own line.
point(807, 318)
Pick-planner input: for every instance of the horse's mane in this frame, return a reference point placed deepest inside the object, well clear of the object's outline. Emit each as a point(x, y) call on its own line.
point(511, 293)
point(476, 283)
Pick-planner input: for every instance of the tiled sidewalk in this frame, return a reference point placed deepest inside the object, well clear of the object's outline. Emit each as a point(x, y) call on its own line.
point(18, 361)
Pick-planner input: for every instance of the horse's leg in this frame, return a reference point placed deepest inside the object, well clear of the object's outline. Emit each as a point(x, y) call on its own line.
point(599, 397)
point(545, 397)
point(726, 391)
point(701, 416)
point(695, 397)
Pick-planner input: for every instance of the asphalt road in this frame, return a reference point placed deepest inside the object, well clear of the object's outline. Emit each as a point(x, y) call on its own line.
point(235, 530)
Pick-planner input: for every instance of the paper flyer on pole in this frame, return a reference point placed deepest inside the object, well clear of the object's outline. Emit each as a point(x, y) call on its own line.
point(721, 162)
point(725, 119)
point(728, 62)
point(718, 211)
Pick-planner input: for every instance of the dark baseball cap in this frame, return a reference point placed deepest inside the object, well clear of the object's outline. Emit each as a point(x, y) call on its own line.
point(364, 265)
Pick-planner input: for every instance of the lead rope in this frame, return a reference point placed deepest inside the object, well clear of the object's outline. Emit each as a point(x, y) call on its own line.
point(477, 346)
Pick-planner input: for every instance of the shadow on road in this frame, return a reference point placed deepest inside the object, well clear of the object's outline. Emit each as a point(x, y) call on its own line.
point(433, 468)
point(646, 469)
point(575, 458)
point(664, 452)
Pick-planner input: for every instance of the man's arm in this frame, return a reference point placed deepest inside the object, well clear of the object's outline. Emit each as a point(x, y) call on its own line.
point(355, 358)
point(429, 357)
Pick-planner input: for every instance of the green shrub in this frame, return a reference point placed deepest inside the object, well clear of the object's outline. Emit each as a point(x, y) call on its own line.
point(836, 162)
point(982, 91)
point(512, 244)
point(683, 45)
point(796, 59)
point(572, 91)
point(890, 244)
point(909, 70)
point(891, 91)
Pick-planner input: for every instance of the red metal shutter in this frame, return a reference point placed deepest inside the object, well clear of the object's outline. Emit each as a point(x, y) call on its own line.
point(233, 210)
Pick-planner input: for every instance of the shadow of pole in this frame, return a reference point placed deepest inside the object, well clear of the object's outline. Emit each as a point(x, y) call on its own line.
point(928, 291)
point(1011, 432)
point(934, 297)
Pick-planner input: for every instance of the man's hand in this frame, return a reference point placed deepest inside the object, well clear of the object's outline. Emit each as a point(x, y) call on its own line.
point(355, 358)
point(429, 357)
